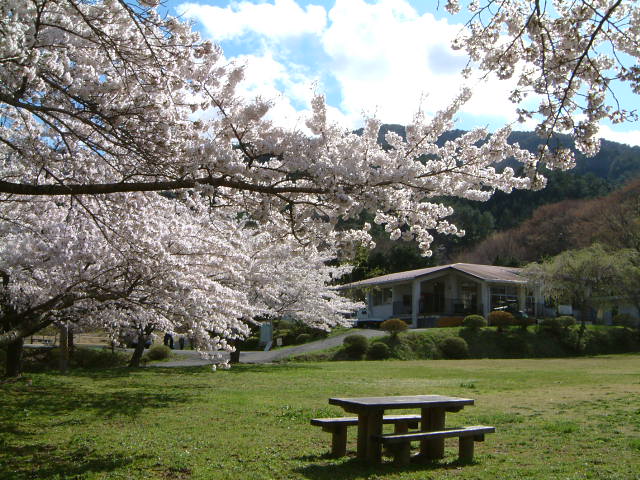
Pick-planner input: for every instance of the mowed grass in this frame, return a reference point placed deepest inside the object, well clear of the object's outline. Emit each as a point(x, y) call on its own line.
point(563, 419)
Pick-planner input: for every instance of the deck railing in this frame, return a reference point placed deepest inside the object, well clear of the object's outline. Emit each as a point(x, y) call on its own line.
point(439, 306)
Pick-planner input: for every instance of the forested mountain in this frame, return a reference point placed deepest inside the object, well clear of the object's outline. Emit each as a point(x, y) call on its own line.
point(615, 165)
point(612, 220)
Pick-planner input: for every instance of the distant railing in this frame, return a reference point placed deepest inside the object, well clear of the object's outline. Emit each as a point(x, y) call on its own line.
point(438, 305)
point(400, 308)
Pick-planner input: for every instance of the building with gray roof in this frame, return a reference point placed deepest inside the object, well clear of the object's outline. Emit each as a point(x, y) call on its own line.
point(424, 295)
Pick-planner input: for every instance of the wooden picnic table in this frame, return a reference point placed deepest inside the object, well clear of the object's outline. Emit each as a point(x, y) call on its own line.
point(370, 411)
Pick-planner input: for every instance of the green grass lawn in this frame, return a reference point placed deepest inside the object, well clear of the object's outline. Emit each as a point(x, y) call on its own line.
point(566, 419)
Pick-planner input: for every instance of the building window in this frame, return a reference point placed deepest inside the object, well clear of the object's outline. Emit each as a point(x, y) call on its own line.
point(503, 295)
point(381, 297)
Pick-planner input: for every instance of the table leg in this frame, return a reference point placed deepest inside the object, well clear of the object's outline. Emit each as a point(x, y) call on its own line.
point(374, 427)
point(339, 441)
point(432, 420)
point(363, 435)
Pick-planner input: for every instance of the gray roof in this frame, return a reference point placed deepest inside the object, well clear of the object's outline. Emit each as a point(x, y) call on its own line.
point(488, 273)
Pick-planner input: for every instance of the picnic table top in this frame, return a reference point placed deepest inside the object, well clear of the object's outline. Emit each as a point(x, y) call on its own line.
point(403, 401)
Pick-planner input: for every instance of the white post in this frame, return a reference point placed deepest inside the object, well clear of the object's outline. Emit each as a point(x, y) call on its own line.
point(485, 299)
point(522, 297)
point(415, 303)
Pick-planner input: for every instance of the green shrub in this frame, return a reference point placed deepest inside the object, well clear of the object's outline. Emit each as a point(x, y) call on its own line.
point(501, 319)
point(286, 335)
point(378, 351)
point(98, 358)
point(625, 320)
point(303, 338)
point(474, 322)
point(251, 343)
point(557, 325)
point(454, 347)
point(355, 346)
point(158, 352)
point(566, 321)
point(422, 346)
point(550, 325)
point(513, 345)
point(393, 326)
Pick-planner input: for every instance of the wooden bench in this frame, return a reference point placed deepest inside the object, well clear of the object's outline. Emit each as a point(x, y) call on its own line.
point(400, 444)
point(338, 428)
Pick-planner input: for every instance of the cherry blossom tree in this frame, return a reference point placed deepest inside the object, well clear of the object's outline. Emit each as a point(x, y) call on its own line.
point(106, 104)
point(138, 262)
point(568, 57)
point(287, 279)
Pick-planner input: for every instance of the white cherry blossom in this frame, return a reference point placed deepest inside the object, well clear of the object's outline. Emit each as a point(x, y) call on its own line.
point(105, 105)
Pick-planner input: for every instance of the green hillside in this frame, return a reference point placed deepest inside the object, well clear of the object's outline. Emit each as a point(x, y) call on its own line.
point(615, 165)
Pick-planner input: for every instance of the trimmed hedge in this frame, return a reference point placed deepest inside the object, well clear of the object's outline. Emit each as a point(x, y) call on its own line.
point(394, 326)
point(355, 346)
point(626, 320)
point(454, 347)
point(474, 322)
point(378, 351)
point(501, 319)
point(158, 352)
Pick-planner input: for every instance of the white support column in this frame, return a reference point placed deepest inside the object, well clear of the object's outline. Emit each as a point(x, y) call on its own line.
point(522, 297)
point(415, 303)
point(485, 299)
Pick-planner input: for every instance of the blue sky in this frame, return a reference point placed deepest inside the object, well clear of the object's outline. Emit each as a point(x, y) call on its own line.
point(387, 57)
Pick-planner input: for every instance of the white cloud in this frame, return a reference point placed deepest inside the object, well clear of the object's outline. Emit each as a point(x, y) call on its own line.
point(630, 137)
point(382, 57)
point(283, 18)
point(288, 88)
point(387, 59)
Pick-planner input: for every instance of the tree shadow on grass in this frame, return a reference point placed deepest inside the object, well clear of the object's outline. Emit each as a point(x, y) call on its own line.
point(59, 401)
point(27, 462)
point(26, 410)
point(271, 367)
point(354, 468)
point(181, 371)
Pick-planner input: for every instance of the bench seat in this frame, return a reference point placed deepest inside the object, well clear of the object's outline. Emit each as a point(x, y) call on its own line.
point(337, 426)
point(401, 443)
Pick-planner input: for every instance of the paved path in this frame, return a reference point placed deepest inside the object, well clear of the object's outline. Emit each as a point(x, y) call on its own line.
point(191, 358)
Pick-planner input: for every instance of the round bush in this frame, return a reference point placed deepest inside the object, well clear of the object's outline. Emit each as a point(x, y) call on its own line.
point(551, 325)
point(500, 319)
point(557, 325)
point(378, 351)
point(566, 321)
point(474, 322)
point(158, 352)
point(304, 338)
point(393, 326)
point(625, 320)
point(454, 347)
point(355, 345)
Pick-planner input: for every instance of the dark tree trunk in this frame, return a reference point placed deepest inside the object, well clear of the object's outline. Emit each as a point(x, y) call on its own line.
point(14, 358)
point(234, 357)
point(72, 345)
point(137, 352)
point(64, 348)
